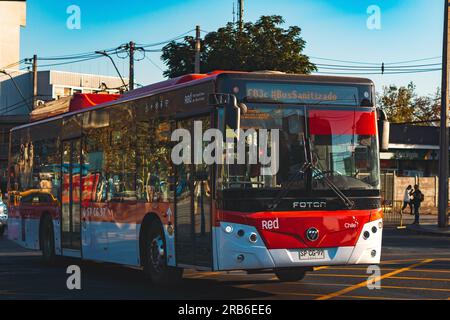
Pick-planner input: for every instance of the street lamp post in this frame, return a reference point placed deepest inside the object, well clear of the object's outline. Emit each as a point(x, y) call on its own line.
point(444, 132)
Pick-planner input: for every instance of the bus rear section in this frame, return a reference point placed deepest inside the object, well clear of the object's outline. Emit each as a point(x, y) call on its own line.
point(322, 206)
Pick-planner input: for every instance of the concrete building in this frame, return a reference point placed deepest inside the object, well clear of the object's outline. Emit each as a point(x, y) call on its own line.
point(413, 151)
point(12, 18)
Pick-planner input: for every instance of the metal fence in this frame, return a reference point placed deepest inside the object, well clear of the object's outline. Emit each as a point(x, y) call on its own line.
point(392, 213)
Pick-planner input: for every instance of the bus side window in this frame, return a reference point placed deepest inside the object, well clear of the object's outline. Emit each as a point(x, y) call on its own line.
point(153, 158)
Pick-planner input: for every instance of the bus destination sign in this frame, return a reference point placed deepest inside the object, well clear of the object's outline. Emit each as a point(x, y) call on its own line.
point(303, 93)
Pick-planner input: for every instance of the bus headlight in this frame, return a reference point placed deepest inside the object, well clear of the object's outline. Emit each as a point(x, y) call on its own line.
point(228, 229)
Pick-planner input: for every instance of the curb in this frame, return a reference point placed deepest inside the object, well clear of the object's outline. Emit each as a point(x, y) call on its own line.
point(424, 231)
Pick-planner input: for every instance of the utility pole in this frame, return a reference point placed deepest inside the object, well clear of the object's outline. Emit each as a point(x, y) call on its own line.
point(197, 49)
point(131, 81)
point(241, 15)
point(444, 132)
point(35, 82)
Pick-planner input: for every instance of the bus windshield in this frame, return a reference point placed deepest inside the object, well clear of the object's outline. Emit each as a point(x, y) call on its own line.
point(291, 125)
point(343, 146)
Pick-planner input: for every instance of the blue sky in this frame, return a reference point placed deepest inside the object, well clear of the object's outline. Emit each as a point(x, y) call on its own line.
point(334, 29)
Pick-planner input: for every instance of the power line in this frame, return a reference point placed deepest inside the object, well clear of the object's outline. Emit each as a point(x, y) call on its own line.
point(379, 73)
point(416, 60)
point(379, 66)
point(17, 88)
point(69, 62)
point(181, 36)
point(153, 63)
point(373, 63)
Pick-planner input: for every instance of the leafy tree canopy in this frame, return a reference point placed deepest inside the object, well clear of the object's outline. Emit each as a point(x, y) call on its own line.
point(402, 104)
point(263, 45)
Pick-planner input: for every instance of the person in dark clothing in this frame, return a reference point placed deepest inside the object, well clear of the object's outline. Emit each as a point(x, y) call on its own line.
point(417, 198)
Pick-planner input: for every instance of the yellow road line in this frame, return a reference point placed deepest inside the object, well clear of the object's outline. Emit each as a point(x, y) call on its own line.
point(415, 288)
point(396, 261)
point(295, 294)
point(345, 297)
point(389, 269)
point(338, 275)
point(321, 268)
point(424, 279)
point(382, 286)
point(375, 298)
point(357, 268)
point(376, 279)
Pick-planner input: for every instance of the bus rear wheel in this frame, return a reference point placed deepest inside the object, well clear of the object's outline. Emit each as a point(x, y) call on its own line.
point(290, 275)
point(47, 240)
point(155, 262)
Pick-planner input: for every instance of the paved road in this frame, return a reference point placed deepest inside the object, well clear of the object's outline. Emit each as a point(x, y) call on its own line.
point(413, 267)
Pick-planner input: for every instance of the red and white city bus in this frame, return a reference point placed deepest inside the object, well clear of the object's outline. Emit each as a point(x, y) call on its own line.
point(99, 183)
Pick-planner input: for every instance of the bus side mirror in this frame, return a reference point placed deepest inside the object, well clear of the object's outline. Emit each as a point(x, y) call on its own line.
point(383, 130)
point(232, 111)
point(232, 115)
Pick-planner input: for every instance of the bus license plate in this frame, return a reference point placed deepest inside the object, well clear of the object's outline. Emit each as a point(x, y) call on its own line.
point(311, 254)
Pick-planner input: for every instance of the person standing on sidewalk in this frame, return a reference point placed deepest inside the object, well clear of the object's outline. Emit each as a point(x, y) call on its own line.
point(407, 199)
point(418, 197)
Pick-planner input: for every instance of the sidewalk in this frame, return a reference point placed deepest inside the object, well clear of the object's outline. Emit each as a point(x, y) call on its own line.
point(428, 227)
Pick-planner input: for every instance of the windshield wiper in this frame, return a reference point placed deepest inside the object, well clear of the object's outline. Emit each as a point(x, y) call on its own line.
point(308, 165)
point(284, 191)
point(347, 202)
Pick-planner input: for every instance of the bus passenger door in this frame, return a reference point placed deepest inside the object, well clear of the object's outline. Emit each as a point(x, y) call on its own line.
point(71, 194)
point(193, 204)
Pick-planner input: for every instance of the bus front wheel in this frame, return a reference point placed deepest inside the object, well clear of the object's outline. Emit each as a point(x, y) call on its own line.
point(290, 275)
point(155, 263)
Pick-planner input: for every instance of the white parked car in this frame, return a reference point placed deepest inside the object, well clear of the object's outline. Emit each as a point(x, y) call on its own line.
point(3, 217)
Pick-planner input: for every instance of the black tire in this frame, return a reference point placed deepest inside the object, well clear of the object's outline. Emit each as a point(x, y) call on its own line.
point(155, 263)
point(290, 275)
point(47, 241)
point(2, 230)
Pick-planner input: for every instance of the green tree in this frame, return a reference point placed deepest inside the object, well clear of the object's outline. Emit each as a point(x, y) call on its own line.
point(263, 45)
point(397, 102)
point(428, 108)
point(402, 104)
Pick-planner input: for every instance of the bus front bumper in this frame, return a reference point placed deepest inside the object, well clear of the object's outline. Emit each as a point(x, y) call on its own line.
point(236, 251)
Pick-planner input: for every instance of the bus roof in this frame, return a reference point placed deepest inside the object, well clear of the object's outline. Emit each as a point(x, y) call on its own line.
point(193, 79)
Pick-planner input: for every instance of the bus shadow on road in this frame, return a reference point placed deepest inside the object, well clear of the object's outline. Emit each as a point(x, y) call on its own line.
point(112, 281)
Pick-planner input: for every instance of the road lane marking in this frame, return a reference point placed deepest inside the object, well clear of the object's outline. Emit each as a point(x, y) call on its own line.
point(374, 298)
point(391, 269)
point(382, 286)
point(321, 268)
point(396, 261)
point(376, 279)
point(343, 297)
point(415, 288)
point(338, 275)
point(421, 279)
point(294, 294)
